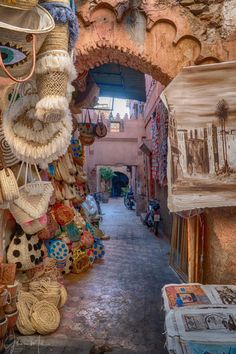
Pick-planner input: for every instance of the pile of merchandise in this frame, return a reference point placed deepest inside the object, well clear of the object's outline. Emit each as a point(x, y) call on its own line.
point(8, 307)
point(200, 319)
point(42, 182)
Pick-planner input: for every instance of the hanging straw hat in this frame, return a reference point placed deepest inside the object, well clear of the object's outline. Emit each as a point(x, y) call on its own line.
point(22, 35)
point(19, 4)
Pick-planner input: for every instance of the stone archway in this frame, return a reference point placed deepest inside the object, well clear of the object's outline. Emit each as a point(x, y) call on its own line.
point(153, 36)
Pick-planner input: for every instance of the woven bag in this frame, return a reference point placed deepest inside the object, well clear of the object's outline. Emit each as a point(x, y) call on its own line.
point(51, 230)
point(57, 249)
point(86, 129)
point(32, 227)
point(86, 239)
point(8, 182)
point(25, 251)
point(70, 163)
point(64, 171)
point(81, 261)
point(99, 249)
point(72, 231)
point(77, 151)
point(45, 317)
point(34, 196)
point(100, 130)
point(63, 214)
point(22, 35)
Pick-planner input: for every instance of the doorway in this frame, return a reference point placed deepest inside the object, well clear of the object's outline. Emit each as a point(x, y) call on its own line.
point(119, 182)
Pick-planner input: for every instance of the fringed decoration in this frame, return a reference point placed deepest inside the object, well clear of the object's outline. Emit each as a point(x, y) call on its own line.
point(54, 61)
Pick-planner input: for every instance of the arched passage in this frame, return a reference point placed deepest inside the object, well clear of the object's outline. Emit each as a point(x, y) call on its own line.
point(153, 38)
point(119, 181)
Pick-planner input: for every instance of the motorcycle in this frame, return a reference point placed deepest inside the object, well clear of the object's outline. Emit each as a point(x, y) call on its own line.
point(129, 200)
point(153, 217)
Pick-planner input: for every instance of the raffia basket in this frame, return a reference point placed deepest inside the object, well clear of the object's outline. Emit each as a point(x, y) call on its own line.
point(57, 39)
point(9, 186)
point(64, 296)
point(24, 305)
point(52, 69)
point(19, 4)
point(53, 83)
point(46, 290)
point(45, 317)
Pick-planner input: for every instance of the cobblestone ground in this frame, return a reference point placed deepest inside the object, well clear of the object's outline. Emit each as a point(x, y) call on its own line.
point(118, 301)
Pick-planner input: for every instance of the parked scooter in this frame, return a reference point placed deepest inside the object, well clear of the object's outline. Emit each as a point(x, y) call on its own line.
point(153, 217)
point(129, 200)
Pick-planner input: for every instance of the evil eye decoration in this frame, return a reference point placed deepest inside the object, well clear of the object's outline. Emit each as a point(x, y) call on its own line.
point(12, 55)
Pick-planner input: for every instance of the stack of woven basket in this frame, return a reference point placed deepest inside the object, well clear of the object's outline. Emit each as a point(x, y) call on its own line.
point(8, 309)
point(38, 308)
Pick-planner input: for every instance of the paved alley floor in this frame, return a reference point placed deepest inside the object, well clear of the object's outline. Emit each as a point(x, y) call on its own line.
point(119, 300)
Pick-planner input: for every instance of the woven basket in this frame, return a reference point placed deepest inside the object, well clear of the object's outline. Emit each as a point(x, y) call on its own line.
point(24, 305)
point(32, 227)
point(45, 317)
point(19, 4)
point(64, 296)
point(9, 157)
point(64, 171)
point(56, 40)
point(9, 186)
point(46, 290)
point(53, 83)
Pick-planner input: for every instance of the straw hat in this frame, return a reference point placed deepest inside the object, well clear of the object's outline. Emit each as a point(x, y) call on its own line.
point(19, 4)
point(22, 35)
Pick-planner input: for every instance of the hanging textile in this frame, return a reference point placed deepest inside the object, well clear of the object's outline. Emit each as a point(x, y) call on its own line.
point(159, 143)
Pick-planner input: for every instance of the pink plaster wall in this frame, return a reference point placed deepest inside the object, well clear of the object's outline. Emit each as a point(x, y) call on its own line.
point(117, 149)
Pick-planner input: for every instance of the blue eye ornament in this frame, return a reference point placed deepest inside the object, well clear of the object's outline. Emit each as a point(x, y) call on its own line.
point(12, 55)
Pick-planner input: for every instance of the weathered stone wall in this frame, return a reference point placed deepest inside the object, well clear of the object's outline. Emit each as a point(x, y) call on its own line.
point(220, 251)
point(154, 36)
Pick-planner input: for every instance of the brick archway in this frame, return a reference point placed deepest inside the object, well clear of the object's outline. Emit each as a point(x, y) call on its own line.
point(151, 37)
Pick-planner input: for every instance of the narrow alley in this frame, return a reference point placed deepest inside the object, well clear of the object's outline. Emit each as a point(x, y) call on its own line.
point(119, 301)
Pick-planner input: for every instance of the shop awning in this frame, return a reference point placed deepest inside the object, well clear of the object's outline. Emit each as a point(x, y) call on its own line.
point(119, 81)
